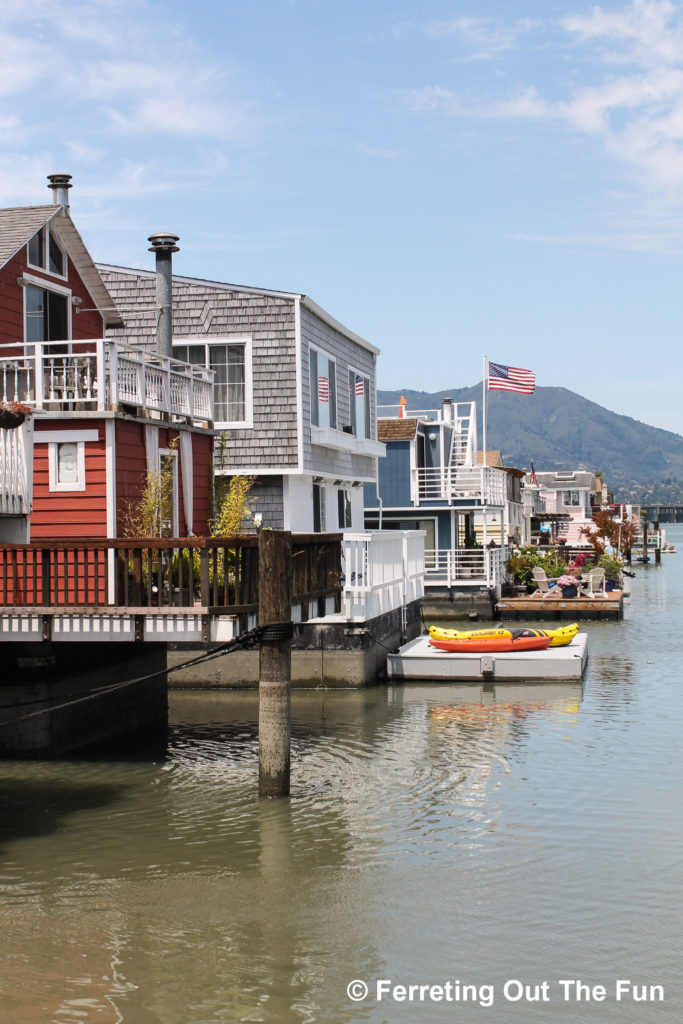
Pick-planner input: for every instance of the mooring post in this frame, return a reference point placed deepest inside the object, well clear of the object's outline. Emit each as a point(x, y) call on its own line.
point(275, 610)
point(645, 558)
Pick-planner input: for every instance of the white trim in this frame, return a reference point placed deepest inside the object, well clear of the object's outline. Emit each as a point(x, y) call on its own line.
point(298, 355)
point(60, 436)
point(110, 497)
point(339, 440)
point(44, 283)
point(214, 341)
point(53, 467)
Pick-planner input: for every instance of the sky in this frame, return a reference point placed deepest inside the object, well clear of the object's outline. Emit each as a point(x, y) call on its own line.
point(450, 180)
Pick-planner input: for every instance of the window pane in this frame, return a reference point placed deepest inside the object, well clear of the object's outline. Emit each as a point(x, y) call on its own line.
point(57, 317)
point(313, 365)
point(35, 313)
point(56, 258)
point(228, 364)
point(36, 250)
point(333, 393)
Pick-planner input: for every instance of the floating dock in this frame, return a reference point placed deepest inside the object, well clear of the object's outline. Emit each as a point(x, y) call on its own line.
point(556, 608)
point(419, 660)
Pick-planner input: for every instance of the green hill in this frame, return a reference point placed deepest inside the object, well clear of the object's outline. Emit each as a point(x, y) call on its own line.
point(557, 429)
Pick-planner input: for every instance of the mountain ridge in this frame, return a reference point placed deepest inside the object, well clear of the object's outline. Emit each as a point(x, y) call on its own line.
point(558, 429)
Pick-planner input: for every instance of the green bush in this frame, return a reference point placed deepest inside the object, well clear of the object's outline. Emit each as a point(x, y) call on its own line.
point(520, 566)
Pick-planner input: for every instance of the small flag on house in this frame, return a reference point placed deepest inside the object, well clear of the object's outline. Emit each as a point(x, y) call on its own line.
point(323, 389)
point(402, 407)
point(360, 385)
point(533, 479)
point(511, 378)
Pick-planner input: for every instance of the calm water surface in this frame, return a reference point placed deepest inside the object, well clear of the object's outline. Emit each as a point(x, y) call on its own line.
point(435, 834)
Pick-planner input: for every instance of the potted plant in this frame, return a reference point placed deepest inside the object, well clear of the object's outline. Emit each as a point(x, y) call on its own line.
point(613, 566)
point(13, 414)
point(568, 585)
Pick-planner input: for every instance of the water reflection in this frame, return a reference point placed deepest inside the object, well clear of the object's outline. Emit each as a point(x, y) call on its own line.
point(435, 831)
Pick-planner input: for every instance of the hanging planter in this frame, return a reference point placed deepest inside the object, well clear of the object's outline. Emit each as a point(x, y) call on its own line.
point(13, 414)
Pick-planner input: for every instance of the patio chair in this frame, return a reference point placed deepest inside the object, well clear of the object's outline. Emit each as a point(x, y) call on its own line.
point(541, 580)
point(594, 584)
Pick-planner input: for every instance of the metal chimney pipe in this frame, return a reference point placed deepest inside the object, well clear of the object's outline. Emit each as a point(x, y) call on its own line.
point(163, 246)
point(447, 410)
point(59, 183)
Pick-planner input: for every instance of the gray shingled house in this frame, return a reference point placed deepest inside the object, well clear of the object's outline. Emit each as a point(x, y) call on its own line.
point(295, 392)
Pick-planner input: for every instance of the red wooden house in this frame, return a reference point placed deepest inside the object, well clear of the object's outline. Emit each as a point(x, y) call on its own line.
point(104, 414)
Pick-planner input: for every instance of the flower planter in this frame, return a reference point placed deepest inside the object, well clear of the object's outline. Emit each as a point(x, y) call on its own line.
point(568, 591)
point(610, 585)
point(10, 420)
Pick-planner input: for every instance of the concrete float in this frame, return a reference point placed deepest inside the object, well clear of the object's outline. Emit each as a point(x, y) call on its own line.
point(419, 660)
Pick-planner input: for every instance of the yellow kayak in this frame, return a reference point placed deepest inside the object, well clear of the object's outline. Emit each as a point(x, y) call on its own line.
point(559, 637)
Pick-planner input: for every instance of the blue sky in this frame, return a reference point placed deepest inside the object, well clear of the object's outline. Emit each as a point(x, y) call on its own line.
point(447, 179)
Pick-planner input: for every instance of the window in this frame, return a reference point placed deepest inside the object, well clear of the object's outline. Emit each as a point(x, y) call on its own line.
point(44, 251)
point(47, 314)
point(571, 499)
point(231, 363)
point(66, 466)
point(319, 524)
point(359, 404)
point(168, 471)
point(323, 378)
point(344, 509)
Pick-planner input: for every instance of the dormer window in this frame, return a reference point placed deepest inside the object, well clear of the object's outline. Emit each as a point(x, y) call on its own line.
point(45, 252)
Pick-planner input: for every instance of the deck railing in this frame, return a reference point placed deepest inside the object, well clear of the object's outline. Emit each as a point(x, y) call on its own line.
point(104, 374)
point(218, 575)
point(466, 567)
point(482, 484)
point(383, 571)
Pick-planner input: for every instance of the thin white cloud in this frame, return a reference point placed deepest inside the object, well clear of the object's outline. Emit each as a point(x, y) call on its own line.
point(481, 38)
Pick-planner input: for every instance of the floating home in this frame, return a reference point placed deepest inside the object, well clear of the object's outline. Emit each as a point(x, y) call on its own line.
point(435, 480)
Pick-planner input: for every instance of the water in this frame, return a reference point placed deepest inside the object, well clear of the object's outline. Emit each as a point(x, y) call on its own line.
point(435, 834)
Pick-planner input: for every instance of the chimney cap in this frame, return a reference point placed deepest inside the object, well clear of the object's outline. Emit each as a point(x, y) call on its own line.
point(163, 241)
point(59, 180)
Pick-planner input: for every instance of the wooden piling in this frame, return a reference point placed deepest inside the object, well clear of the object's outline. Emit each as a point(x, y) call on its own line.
point(275, 607)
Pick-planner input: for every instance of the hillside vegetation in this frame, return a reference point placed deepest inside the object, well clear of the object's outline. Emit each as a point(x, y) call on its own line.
point(557, 429)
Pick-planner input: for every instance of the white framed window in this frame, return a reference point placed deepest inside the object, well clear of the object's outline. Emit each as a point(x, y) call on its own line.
point(344, 517)
point(66, 465)
point(47, 311)
point(168, 463)
point(323, 380)
point(319, 510)
point(359, 403)
point(231, 361)
point(571, 499)
point(45, 253)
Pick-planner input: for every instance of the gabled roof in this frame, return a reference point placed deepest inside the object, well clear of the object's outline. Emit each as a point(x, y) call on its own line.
point(396, 430)
point(19, 224)
point(219, 286)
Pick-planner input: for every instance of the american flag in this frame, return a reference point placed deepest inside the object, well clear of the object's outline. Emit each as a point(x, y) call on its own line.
point(323, 389)
point(533, 479)
point(360, 385)
point(511, 378)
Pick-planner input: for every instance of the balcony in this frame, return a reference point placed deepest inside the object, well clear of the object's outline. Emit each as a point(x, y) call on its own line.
point(466, 567)
point(103, 375)
point(480, 485)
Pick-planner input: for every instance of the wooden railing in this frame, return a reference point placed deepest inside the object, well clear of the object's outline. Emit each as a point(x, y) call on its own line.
point(219, 575)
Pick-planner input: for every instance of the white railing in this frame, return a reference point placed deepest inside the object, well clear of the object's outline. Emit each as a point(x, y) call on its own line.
point(104, 374)
point(466, 567)
point(16, 484)
point(383, 571)
point(483, 484)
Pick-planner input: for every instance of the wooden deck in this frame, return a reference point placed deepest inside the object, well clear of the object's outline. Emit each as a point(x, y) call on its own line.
point(555, 607)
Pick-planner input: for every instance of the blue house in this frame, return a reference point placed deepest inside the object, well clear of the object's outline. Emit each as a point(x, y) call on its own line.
point(433, 479)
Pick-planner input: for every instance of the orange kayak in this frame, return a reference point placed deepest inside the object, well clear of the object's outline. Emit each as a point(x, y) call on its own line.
point(492, 645)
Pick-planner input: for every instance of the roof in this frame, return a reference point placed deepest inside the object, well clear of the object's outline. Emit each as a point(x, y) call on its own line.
point(307, 302)
point(566, 480)
point(18, 224)
point(396, 430)
point(493, 458)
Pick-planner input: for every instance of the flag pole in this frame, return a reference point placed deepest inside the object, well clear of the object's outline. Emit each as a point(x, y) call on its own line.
point(484, 409)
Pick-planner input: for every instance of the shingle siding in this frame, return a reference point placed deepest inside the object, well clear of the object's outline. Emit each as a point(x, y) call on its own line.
point(203, 311)
point(348, 355)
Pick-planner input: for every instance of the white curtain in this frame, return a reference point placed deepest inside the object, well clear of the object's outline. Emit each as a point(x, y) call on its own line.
point(186, 470)
point(152, 449)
